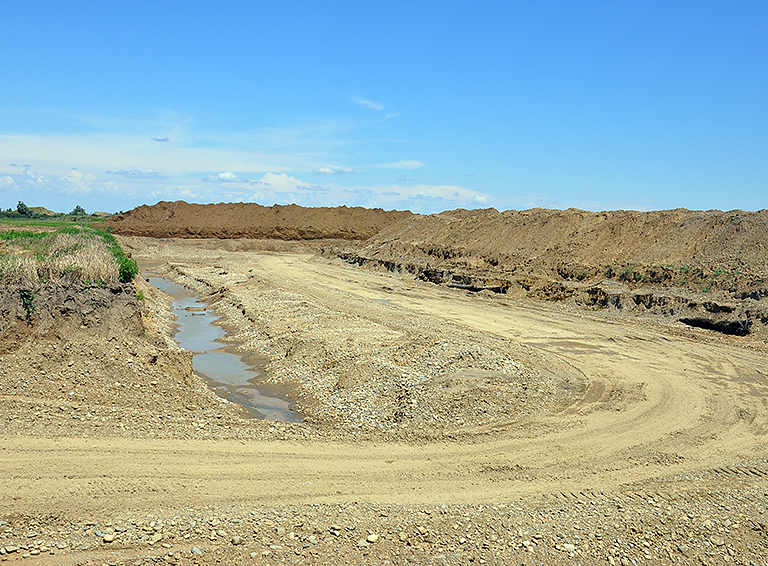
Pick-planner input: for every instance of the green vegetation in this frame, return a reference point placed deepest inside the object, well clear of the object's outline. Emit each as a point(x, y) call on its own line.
point(675, 275)
point(40, 216)
point(26, 299)
point(69, 253)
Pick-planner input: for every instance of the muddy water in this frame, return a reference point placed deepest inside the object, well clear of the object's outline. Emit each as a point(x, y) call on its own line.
point(225, 371)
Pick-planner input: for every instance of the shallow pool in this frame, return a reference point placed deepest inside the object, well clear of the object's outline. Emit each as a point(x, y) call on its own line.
point(225, 371)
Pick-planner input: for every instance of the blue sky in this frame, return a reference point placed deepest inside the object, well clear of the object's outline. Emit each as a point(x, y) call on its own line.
point(427, 106)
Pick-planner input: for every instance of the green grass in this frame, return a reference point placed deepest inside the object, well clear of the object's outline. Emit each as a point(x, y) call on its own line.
point(54, 222)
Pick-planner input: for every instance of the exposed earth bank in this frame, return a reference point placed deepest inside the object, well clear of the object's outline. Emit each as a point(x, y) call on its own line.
point(706, 268)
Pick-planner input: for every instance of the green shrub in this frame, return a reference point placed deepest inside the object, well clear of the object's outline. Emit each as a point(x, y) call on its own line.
point(27, 297)
point(128, 269)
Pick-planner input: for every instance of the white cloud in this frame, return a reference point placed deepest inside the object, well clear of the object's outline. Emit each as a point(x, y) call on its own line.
point(282, 183)
point(77, 181)
point(135, 173)
point(7, 183)
point(428, 198)
point(226, 177)
point(402, 164)
point(325, 170)
point(424, 195)
point(54, 153)
point(365, 103)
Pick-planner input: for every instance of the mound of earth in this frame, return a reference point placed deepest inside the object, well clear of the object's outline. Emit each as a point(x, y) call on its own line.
point(83, 360)
point(709, 267)
point(248, 220)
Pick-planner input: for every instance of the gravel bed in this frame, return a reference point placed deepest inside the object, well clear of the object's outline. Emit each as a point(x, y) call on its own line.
point(693, 528)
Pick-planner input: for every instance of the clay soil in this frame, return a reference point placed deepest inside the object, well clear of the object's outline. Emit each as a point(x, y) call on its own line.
point(446, 423)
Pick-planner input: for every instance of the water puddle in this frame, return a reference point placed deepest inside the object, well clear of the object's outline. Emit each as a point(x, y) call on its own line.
point(225, 371)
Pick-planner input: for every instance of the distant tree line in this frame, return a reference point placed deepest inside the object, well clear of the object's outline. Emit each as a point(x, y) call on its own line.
point(23, 211)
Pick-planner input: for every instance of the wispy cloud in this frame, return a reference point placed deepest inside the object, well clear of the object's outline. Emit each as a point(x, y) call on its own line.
point(325, 170)
point(402, 164)
point(160, 139)
point(7, 183)
point(425, 195)
point(365, 103)
point(135, 173)
point(226, 177)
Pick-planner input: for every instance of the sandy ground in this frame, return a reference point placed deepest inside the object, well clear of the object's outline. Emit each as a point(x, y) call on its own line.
point(665, 422)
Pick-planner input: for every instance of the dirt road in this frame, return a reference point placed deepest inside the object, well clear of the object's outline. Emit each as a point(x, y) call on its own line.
point(658, 412)
point(657, 404)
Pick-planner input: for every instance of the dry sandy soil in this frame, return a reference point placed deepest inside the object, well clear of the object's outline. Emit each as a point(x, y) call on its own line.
point(444, 426)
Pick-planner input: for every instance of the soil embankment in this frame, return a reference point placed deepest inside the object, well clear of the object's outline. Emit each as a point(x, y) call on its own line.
point(84, 360)
point(248, 220)
point(707, 268)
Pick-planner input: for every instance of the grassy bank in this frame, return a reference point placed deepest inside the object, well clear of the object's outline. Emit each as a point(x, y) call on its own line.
point(61, 253)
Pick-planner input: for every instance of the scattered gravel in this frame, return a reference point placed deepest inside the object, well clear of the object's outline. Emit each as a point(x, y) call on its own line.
point(697, 528)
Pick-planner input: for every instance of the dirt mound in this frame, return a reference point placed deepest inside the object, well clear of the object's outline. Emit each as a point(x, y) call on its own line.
point(248, 220)
point(710, 258)
point(53, 313)
point(575, 244)
point(83, 359)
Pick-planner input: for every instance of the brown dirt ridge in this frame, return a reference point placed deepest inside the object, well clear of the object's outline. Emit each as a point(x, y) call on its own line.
point(249, 220)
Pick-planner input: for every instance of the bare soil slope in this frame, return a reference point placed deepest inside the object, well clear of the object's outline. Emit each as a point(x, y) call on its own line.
point(686, 264)
point(249, 220)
